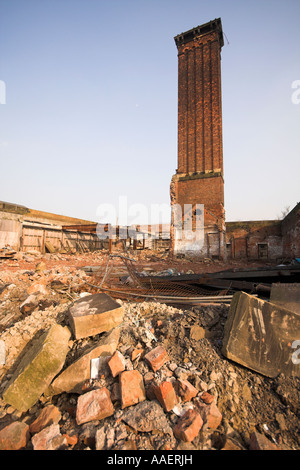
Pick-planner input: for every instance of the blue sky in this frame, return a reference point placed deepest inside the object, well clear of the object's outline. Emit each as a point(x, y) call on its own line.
point(91, 102)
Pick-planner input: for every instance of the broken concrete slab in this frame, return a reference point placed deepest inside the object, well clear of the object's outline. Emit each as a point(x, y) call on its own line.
point(260, 335)
point(94, 314)
point(147, 416)
point(73, 377)
point(37, 369)
point(287, 296)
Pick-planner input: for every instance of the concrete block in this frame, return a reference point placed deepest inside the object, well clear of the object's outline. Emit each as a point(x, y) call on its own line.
point(73, 377)
point(37, 369)
point(94, 314)
point(262, 336)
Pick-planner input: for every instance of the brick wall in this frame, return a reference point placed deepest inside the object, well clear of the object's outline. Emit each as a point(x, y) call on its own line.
point(291, 233)
point(199, 104)
point(254, 240)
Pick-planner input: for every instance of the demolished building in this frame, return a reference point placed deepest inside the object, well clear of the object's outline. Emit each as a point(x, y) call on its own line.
point(81, 370)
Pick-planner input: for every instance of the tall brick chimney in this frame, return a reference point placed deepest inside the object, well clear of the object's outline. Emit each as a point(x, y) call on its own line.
point(199, 176)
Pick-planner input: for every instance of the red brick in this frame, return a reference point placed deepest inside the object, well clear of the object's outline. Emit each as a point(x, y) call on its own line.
point(209, 413)
point(116, 363)
point(207, 398)
point(132, 388)
point(188, 426)
point(166, 395)
point(47, 438)
point(260, 442)
point(94, 405)
point(185, 390)
point(232, 444)
point(157, 357)
point(14, 436)
point(49, 415)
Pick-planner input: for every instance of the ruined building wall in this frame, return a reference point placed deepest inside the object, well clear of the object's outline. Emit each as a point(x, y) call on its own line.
point(199, 176)
point(254, 240)
point(291, 233)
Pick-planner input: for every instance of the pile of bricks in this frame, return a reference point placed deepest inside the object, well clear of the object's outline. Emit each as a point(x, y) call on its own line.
point(132, 388)
point(136, 377)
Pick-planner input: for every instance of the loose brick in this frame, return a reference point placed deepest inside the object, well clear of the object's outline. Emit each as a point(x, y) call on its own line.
point(188, 426)
point(209, 413)
point(185, 390)
point(132, 388)
point(157, 357)
point(207, 398)
point(166, 395)
point(43, 439)
point(94, 405)
point(14, 436)
point(232, 444)
point(49, 415)
point(260, 442)
point(117, 363)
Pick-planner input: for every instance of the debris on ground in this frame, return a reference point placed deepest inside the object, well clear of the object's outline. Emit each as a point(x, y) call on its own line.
point(155, 380)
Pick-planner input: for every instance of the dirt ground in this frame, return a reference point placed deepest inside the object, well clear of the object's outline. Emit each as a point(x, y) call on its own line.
point(192, 337)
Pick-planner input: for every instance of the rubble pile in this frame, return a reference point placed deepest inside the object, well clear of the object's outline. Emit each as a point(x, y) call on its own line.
point(155, 379)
